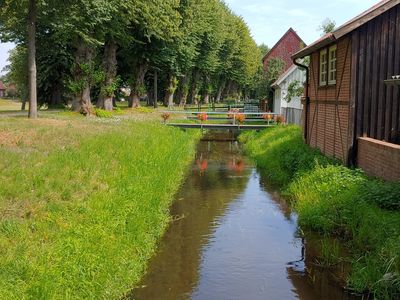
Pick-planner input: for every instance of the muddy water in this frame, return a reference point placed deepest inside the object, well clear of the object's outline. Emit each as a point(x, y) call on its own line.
point(233, 239)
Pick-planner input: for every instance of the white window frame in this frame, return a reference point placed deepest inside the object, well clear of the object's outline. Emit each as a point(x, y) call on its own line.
point(323, 67)
point(332, 65)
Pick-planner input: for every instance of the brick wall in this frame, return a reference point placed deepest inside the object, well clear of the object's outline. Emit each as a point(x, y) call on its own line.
point(289, 44)
point(379, 159)
point(328, 121)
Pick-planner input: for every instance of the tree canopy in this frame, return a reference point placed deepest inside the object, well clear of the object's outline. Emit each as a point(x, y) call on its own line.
point(89, 49)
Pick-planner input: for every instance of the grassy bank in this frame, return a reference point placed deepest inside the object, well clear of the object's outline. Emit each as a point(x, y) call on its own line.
point(337, 201)
point(83, 203)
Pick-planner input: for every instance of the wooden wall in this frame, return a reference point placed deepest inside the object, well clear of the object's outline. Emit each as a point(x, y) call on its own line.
point(375, 58)
point(328, 113)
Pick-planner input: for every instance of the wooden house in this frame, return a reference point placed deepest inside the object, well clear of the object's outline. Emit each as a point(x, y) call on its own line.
point(352, 101)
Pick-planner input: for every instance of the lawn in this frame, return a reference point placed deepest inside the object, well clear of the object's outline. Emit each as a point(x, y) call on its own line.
point(336, 201)
point(10, 105)
point(83, 202)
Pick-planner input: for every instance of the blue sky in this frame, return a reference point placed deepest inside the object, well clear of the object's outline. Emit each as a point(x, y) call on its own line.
point(270, 19)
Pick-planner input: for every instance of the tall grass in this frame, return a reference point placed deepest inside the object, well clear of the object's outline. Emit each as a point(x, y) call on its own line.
point(83, 205)
point(334, 200)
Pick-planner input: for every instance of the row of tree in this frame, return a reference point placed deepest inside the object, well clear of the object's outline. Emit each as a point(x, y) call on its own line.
point(192, 50)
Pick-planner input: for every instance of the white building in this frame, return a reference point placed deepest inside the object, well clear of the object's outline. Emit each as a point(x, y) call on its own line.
point(292, 110)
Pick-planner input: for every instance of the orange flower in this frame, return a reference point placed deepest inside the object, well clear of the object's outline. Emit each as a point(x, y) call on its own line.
point(165, 116)
point(280, 119)
point(202, 117)
point(241, 118)
point(268, 117)
point(232, 112)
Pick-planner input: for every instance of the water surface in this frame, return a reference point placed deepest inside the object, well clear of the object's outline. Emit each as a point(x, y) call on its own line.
point(233, 239)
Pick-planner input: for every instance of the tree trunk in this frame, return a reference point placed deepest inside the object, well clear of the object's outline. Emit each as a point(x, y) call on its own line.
point(206, 98)
point(32, 60)
point(140, 73)
point(56, 95)
point(155, 99)
point(220, 91)
point(82, 102)
point(110, 69)
point(183, 91)
point(23, 105)
point(194, 90)
point(169, 95)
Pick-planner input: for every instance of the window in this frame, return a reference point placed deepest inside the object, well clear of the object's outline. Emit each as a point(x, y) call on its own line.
point(323, 67)
point(327, 66)
point(332, 65)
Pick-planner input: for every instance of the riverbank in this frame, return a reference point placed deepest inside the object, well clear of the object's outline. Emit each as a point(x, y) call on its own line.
point(333, 200)
point(83, 203)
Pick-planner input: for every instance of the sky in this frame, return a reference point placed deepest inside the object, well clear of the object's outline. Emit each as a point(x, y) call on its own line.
point(270, 19)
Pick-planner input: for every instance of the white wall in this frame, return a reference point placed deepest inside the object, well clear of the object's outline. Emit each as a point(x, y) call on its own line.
point(281, 91)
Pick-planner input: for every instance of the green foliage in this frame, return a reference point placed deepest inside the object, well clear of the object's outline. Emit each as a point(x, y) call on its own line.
point(282, 154)
point(334, 200)
point(275, 67)
point(264, 49)
point(80, 212)
point(295, 89)
point(110, 89)
point(327, 26)
point(330, 254)
point(101, 113)
point(17, 71)
point(385, 195)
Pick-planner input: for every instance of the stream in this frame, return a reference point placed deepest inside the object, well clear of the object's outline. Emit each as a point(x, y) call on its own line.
point(234, 238)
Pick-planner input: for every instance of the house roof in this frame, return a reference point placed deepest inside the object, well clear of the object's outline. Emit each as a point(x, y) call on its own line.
point(291, 30)
point(348, 27)
point(2, 86)
point(284, 75)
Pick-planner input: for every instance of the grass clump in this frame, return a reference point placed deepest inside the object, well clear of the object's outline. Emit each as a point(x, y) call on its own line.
point(334, 200)
point(83, 204)
point(101, 113)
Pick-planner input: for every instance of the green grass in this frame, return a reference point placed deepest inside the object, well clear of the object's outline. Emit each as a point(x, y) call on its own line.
point(83, 203)
point(10, 105)
point(337, 201)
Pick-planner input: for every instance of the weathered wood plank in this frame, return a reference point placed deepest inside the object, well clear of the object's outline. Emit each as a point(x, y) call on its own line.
point(375, 77)
point(351, 160)
point(390, 69)
point(382, 75)
point(368, 80)
point(395, 136)
point(361, 55)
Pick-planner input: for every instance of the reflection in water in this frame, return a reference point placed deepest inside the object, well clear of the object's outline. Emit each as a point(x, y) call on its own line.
point(236, 240)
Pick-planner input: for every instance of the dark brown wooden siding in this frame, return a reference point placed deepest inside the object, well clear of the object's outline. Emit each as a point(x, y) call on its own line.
point(375, 58)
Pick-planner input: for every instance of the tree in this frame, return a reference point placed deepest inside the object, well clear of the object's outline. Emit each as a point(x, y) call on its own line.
point(13, 27)
point(264, 49)
point(327, 26)
point(32, 17)
point(17, 71)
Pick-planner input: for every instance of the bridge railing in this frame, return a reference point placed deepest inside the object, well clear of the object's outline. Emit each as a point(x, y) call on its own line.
point(228, 116)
